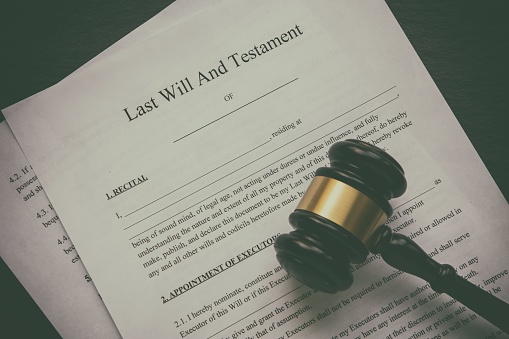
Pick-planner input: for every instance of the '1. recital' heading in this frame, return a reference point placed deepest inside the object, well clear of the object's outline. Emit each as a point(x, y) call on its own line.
point(126, 187)
point(235, 60)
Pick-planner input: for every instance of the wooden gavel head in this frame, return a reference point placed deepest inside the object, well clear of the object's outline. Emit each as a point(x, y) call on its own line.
point(342, 207)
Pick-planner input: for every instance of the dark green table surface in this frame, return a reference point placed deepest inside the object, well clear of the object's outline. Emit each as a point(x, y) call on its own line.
point(463, 44)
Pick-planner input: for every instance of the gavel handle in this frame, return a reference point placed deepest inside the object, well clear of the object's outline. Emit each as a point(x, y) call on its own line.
point(404, 254)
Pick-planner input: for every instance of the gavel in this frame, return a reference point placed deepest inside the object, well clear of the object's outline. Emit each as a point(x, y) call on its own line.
point(340, 220)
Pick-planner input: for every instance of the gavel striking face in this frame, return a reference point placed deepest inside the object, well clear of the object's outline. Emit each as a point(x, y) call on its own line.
point(339, 220)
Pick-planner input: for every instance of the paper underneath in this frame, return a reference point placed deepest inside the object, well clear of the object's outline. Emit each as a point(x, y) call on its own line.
point(33, 241)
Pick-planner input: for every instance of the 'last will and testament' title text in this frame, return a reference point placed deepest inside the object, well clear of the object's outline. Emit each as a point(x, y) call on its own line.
point(234, 60)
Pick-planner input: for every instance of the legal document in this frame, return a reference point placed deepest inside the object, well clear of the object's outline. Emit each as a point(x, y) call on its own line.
point(174, 165)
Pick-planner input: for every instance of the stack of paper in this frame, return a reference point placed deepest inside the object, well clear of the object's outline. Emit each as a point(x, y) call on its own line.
point(173, 163)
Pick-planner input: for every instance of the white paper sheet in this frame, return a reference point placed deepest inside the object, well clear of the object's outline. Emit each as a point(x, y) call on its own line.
point(36, 247)
point(174, 199)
